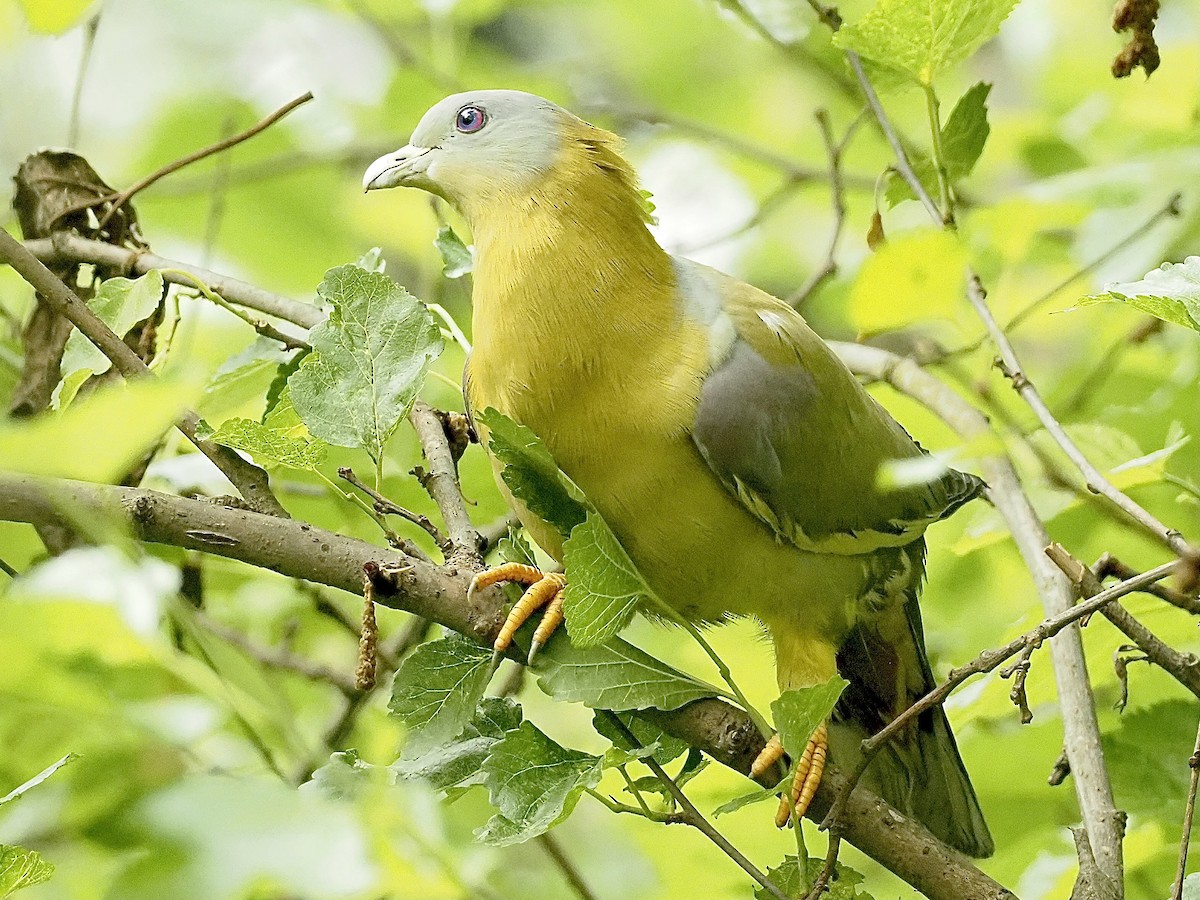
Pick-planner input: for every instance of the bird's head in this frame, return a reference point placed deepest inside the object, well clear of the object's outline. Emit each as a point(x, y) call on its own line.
point(481, 148)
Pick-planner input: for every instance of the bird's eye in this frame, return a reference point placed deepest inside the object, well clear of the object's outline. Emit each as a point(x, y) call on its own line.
point(470, 119)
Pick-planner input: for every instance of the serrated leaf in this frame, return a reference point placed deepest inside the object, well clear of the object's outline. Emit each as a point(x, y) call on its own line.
point(1170, 292)
point(458, 764)
point(457, 260)
point(788, 878)
point(966, 131)
point(531, 473)
point(603, 587)
point(280, 440)
point(913, 277)
point(615, 676)
point(120, 303)
point(21, 868)
point(368, 362)
point(921, 39)
point(648, 734)
point(513, 547)
point(798, 712)
point(436, 690)
point(534, 784)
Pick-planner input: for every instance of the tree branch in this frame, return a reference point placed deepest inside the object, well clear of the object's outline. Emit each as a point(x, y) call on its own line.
point(300, 550)
point(441, 481)
point(66, 246)
point(248, 478)
point(1080, 726)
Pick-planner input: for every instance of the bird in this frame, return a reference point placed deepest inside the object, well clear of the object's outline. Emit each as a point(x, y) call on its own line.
point(734, 456)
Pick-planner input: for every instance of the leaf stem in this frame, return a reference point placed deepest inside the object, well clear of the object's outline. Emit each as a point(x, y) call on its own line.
point(633, 789)
point(758, 718)
point(266, 329)
point(939, 152)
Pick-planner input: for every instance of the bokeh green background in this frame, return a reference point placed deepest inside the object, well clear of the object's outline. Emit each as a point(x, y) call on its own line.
point(172, 798)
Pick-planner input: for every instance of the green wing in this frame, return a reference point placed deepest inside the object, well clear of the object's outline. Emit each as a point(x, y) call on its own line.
point(790, 431)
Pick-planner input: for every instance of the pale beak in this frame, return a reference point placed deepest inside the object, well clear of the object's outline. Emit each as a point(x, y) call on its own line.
point(396, 168)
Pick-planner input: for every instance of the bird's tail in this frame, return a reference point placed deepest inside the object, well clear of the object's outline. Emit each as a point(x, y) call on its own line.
point(921, 774)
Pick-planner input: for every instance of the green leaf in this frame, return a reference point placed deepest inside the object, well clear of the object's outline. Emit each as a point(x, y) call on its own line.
point(373, 260)
point(344, 777)
point(1170, 292)
point(603, 587)
point(280, 440)
point(37, 779)
point(456, 256)
point(120, 303)
point(534, 783)
point(531, 473)
point(458, 764)
point(81, 442)
point(436, 690)
point(369, 360)
point(914, 277)
point(788, 878)
point(1191, 887)
point(757, 796)
point(54, 17)
point(21, 868)
point(513, 547)
point(923, 38)
point(647, 733)
point(616, 676)
point(966, 131)
point(798, 712)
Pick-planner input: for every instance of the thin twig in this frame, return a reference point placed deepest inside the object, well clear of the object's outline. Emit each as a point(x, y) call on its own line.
point(693, 816)
point(837, 191)
point(384, 506)
point(1189, 811)
point(266, 329)
point(248, 478)
point(1169, 209)
point(555, 851)
point(1018, 672)
point(8, 570)
point(120, 198)
point(989, 660)
point(274, 657)
point(66, 246)
point(1096, 482)
point(1184, 667)
point(1108, 566)
point(85, 59)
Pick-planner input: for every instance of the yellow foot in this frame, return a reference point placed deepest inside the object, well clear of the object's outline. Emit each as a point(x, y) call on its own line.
point(807, 778)
point(543, 590)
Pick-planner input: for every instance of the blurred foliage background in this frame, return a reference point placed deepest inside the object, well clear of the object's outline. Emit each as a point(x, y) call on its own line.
point(190, 749)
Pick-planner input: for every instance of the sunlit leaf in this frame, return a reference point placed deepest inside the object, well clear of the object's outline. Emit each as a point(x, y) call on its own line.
point(120, 303)
point(81, 442)
point(1170, 292)
point(281, 439)
point(21, 868)
point(914, 277)
point(923, 38)
point(369, 361)
point(603, 587)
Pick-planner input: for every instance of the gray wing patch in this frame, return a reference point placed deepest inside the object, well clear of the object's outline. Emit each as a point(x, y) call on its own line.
point(804, 456)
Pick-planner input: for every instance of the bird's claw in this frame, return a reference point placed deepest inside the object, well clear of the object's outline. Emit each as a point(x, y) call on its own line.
point(543, 590)
point(807, 778)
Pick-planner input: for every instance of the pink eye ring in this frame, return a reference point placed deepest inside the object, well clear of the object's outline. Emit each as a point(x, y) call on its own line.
point(470, 119)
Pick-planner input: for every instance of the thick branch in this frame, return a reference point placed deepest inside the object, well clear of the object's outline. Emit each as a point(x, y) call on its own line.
point(248, 478)
point(304, 551)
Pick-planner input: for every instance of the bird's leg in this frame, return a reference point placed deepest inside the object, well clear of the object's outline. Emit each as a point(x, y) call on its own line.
point(543, 590)
point(807, 778)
